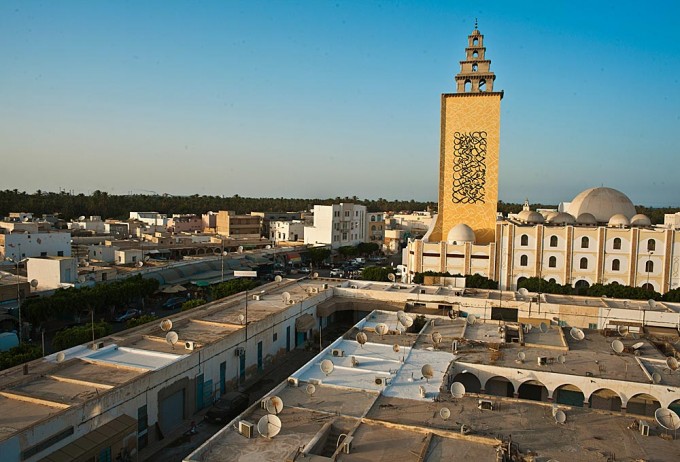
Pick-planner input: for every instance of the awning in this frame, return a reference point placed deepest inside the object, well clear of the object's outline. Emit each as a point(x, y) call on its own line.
point(174, 289)
point(304, 323)
point(294, 257)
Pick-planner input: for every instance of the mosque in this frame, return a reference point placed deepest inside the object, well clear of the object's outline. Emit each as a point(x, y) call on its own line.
point(598, 237)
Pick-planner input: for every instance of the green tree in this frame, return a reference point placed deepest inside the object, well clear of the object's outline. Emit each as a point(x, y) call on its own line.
point(18, 355)
point(134, 322)
point(318, 254)
point(376, 273)
point(189, 304)
point(232, 287)
point(78, 335)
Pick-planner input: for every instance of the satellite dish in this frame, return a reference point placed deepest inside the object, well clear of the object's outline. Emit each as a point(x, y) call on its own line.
point(61, 357)
point(617, 346)
point(286, 297)
point(391, 277)
point(667, 418)
point(561, 359)
point(240, 249)
point(82, 279)
point(327, 367)
point(381, 328)
point(428, 371)
point(543, 327)
point(172, 338)
point(451, 314)
point(241, 318)
point(471, 319)
point(166, 325)
point(396, 348)
point(269, 426)
point(362, 338)
point(521, 356)
point(436, 338)
point(457, 390)
point(523, 292)
point(638, 345)
point(560, 417)
point(34, 283)
point(404, 319)
point(278, 278)
point(274, 405)
point(310, 389)
point(672, 363)
point(315, 275)
point(622, 330)
point(577, 334)
point(139, 264)
point(445, 413)
point(656, 377)
point(268, 246)
point(651, 303)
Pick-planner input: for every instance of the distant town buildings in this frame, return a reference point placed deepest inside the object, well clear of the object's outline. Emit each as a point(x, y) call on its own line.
point(337, 225)
point(229, 224)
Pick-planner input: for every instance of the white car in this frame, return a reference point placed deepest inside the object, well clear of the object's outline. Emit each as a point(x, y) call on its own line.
point(336, 273)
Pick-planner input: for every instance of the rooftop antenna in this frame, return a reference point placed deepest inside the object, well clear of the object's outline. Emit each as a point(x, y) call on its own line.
point(560, 417)
point(381, 329)
point(241, 318)
point(362, 338)
point(617, 346)
point(172, 338)
point(656, 377)
point(286, 297)
point(428, 372)
point(310, 389)
point(521, 356)
point(457, 390)
point(61, 357)
point(274, 405)
point(445, 413)
point(436, 339)
point(577, 334)
point(652, 304)
point(623, 330)
point(471, 319)
point(166, 325)
point(327, 367)
point(269, 426)
point(391, 277)
point(278, 278)
point(672, 364)
point(404, 319)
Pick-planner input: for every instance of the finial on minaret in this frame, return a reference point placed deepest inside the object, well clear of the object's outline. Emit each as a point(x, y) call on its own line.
point(475, 23)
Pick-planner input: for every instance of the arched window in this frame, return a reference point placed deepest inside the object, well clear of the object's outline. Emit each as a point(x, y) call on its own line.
point(617, 243)
point(523, 260)
point(468, 86)
point(553, 241)
point(373, 228)
point(475, 54)
point(552, 262)
point(524, 240)
point(475, 42)
point(649, 266)
point(585, 242)
point(583, 264)
point(616, 265)
point(474, 68)
point(482, 85)
point(651, 245)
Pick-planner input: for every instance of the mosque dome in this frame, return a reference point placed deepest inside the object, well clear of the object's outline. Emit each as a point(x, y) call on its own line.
point(551, 215)
point(529, 216)
point(586, 219)
point(618, 221)
point(562, 218)
point(640, 220)
point(602, 203)
point(460, 234)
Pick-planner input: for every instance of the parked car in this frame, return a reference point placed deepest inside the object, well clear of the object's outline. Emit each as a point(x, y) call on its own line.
point(173, 302)
point(304, 270)
point(227, 407)
point(336, 273)
point(129, 314)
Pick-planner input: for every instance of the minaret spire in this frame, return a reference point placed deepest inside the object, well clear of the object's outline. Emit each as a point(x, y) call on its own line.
point(475, 75)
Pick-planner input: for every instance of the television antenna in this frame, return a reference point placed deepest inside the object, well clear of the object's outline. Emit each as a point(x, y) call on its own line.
point(457, 390)
point(523, 292)
point(577, 334)
point(445, 413)
point(543, 328)
point(436, 339)
point(672, 363)
point(656, 377)
point(404, 319)
point(274, 405)
point(617, 346)
point(652, 304)
point(241, 318)
point(269, 426)
point(381, 329)
point(166, 325)
point(172, 338)
point(521, 356)
point(471, 319)
point(428, 372)
point(327, 367)
point(278, 278)
point(623, 330)
point(391, 277)
point(362, 338)
point(34, 283)
point(310, 389)
point(560, 417)
point(286, 297)
point(61, 356)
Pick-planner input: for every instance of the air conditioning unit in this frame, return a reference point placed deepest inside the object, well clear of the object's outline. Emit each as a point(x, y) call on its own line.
point(257, 297)
point(485, 405)
point(189, 345)
point(382, 381)
point(542, 360)
point(293, 381)
point(353, 286)
point(314, 290)
point(240, 351)
point(324, 286)
point(98, 346)
point(337, 352)
point(246, 428)
point(644, 428)
point(291, 302)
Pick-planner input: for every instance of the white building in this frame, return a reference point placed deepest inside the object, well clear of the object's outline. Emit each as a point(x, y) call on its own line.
point(672, 220)
point(52, 272)
point(286, 231)
point(151, 218)
point(24, 245)
point(338, 225)
point(92, 223)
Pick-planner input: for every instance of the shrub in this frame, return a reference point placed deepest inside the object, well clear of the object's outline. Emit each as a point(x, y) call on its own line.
point(189, 304)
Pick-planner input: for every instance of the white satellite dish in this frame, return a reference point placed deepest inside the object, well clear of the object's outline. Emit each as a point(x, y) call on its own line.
point(381, 328)
point(286, 297)
point(269, 426)
point(166, 325)
point(638, 345)
point(521, 356)
point(560, 417)
point(315, 275)
point(61, 357)
point(82, 278)
point(656, 377)
point(355, 362)
point(471, 319)
point(310, 389)
point(561, 359)
point(405, 320)
point(172, 338)
point(651, 303)
point(34, 283)
point(240, 249)
point(436, 338)
point(667, 418)
point(428, 371)
point(457, 390)
point(362, 338)
point(396, 348)
point(672, 363)
point(278, 278)
point(622, 330)
point(139, 264)
point(543, 328)
point(577, 334)
point(617, 346)
point(274, 405)
point(523, 292)
point(241, 318)
point(445, 413)
point(391, 277)
point(268, 246)
point(327, 367)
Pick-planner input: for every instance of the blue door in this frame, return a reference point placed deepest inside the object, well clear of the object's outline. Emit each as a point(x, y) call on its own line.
point(259, 357)
point(223, 378)
point(242, 366)
point(288, 338)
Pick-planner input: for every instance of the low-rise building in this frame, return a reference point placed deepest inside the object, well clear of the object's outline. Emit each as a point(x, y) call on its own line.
point(19, 245)
point(229, 224)
point(52, 272)
point(286, 231)
point(337, 225)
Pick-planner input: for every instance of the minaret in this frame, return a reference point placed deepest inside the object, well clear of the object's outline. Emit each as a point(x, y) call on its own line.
point(470, 141)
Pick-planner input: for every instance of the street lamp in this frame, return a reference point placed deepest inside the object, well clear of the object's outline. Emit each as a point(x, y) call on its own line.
point(17, 262)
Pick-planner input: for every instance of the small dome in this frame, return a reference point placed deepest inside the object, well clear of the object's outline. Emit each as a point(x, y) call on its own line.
point(461, 233)
point(586, 219)
point(602, 203)
point(551, 215)
point(619, 220)
point(562, 218)
point(640, 220)
point(529, 216)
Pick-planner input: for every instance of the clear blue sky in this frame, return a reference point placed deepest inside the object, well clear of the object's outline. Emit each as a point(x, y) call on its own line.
point(325, 99)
